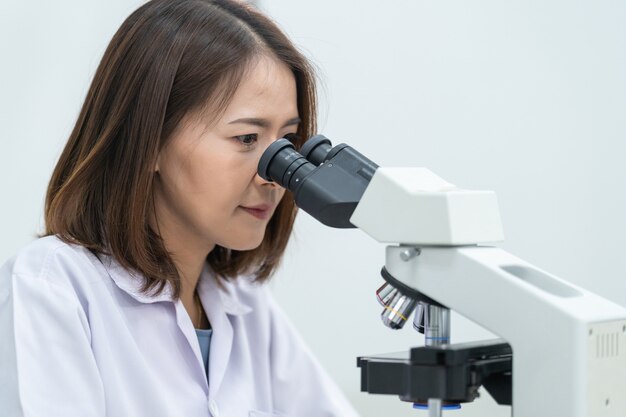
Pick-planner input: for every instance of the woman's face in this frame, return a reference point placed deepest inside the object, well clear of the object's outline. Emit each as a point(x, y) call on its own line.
point(207, 181)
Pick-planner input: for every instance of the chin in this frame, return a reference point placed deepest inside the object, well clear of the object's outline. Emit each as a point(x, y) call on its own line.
point(244, 245)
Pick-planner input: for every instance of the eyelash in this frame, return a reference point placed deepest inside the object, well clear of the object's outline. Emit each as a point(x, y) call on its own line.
point(241, 139)
point(290, 136)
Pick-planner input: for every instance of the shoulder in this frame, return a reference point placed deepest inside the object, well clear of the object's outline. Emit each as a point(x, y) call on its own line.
point(51, 260)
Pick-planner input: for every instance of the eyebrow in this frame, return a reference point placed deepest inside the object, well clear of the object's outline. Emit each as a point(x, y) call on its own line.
point(263, 122)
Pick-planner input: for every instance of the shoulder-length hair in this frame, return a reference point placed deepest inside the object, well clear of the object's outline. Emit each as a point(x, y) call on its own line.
point(169, 58)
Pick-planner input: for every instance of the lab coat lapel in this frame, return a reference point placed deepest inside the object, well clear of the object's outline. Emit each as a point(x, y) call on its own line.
point(186, 326)
point(222, 338)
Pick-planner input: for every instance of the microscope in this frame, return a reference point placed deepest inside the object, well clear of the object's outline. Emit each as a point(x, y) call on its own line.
point(562, 349)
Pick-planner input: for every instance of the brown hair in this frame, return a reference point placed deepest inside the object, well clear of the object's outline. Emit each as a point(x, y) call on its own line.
point(168, 58)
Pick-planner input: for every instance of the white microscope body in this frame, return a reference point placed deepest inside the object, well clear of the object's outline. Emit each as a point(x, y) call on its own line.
point(569, 345)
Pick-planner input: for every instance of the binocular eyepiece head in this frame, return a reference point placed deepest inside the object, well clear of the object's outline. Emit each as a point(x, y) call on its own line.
point(284, 165)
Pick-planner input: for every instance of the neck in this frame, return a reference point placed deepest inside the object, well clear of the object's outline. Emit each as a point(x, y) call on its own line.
point(189, 268)
point(188, 253)
point(190, 265)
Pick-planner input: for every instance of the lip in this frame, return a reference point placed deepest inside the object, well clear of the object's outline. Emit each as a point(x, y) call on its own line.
point(261, 211)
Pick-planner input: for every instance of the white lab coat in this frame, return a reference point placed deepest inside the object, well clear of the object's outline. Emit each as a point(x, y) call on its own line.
point(78, 338)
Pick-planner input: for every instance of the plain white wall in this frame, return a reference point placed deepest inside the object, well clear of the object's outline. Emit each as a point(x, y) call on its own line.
point(49, 52)
point(525, 98)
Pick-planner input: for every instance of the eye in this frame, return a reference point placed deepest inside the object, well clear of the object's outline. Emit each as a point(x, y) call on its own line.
point(292, 137)
point(247, 140)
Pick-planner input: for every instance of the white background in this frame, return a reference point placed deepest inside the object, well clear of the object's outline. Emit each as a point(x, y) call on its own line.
point(524, 98)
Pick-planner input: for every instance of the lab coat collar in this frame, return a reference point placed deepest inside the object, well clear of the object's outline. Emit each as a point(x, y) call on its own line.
point(220, 300)
point(228, 299)
point(215, 295)
point(131, 282)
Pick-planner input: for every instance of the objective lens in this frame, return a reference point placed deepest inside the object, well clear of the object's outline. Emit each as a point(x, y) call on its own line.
point(433, 322)
point(436, 325)
point(418, 318)
point(397, 311)
point(385, 294)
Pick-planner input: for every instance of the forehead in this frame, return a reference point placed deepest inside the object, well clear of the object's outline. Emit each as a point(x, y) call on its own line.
point(267, 89)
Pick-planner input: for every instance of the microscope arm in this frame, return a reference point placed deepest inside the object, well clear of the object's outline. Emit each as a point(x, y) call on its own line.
point(569, 345)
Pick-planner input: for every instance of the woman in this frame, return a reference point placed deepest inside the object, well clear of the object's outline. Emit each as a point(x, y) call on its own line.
point(159, 233)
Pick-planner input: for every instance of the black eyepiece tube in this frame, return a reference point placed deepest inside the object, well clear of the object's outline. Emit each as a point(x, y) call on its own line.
point(316, 149)
point(277, 157)
point(327, 182)
point(282, 164)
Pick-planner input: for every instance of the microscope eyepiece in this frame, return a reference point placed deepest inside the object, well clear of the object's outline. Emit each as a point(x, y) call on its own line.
point(280, 146)
point(327, 182)
point(316, 149)
point(282, 164)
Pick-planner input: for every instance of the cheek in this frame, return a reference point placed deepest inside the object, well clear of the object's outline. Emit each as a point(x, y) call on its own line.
point(281, 193)
point(201, 167)
point(208, 182)
point(218, 183)
point(191, 182)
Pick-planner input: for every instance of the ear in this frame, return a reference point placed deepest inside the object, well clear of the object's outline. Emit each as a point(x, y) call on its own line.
point(157, 167)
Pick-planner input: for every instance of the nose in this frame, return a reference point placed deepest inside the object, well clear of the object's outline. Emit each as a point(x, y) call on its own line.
point(263, 182)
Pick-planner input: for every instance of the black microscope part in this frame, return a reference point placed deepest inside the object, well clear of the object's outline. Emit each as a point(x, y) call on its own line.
point(328, 191)
point(452, 372)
